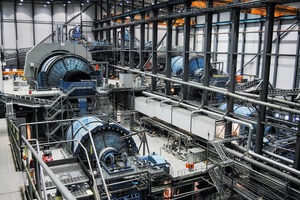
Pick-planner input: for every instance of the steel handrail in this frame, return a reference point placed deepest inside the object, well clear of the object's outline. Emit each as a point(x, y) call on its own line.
point(88, 159)
point(65, 192)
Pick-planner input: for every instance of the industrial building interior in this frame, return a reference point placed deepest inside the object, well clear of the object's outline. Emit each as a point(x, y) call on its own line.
point(150, 99)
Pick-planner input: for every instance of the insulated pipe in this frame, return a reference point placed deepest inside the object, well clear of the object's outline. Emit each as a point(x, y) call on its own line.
point(212, 89)
point(270, 161)
point(67, 194)
point(277, 172)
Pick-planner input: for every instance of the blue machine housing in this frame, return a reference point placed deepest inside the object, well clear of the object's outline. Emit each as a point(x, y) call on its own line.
point(83, 88)
point(63, 66)
point(104, 135)
point(196, 64)
point(238, 109)
point(156, 161)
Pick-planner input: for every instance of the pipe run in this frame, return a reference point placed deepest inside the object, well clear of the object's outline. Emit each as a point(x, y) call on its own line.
point(284, 159)
point(277, 172)
point(212, 89)
point(250, 135)
point(270, 161)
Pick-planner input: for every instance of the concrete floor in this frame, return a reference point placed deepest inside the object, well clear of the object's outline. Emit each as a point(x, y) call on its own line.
point(8, 87)
point(12, 181)
point(178, 167)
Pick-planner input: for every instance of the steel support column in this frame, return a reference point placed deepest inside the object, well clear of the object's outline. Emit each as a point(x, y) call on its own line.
point(107, 34)
point(115, 41)
point(169, 53)
point(52, 23)
point(81, 24)
point(186, 49)
point(101, 35)
point(122, 45)
point(66, 21)
point(143, 3)
point(297, 150)
point(16, 33)
point(244, 44)
point(277, 52)
point(154, 50)
point(123, 36)
point(207, 50)
point(216, 39)
point(115, 33)
point(96, 33)
point(195, 36)
point(131, 44)
point(142, 43)
point(101, 9)
point(259, 49)
point(33, 22)
point(297, 68)
point(176, 37)
point(233, 50)
point(270, 8)
point(2, 36)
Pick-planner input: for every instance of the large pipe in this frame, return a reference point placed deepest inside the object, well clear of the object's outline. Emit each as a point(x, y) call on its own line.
point(67, 194)
point(277, 172)
point(212, 89)
point(270, 161)
point(273, 99)
point(284, 159)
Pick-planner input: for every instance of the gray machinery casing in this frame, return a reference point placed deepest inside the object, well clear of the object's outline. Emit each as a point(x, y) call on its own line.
point(42, 53)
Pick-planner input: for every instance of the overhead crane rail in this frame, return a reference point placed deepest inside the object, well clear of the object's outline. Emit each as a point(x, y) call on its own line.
point(252, 7)
point(280, 10)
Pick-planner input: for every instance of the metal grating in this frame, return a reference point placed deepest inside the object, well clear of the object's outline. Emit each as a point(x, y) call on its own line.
point(68, 174)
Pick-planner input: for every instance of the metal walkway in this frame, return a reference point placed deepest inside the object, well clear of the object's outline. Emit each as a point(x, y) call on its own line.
point(24, 100)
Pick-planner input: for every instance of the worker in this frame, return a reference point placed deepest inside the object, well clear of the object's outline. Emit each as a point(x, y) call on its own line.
point(77, 29)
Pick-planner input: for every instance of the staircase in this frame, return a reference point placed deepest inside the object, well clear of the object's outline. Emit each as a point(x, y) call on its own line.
point(219, 147)
point(55, 108)
point(215, 176)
